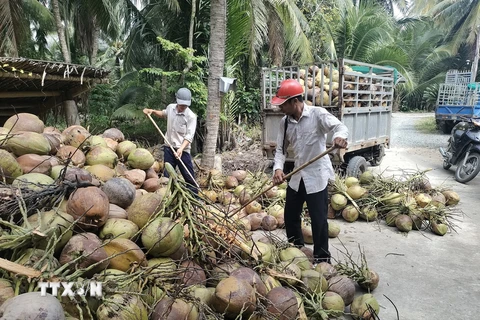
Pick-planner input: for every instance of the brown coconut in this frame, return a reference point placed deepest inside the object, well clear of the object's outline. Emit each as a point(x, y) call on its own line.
point(35, 163)
point(119, 191)
point(253, 279)
point(136, 176)
point(174, 309)
point(55, 142)
point(451, 197)
point(344, 286)
point(88, 246)
point(233, 296)
point(74, 155)
point(269, 223)
point(404, 223)
point(24, 122)
point(114, 134)
point(90, 205)
point(282, 303)
point(191, 273)
point(152, 184)
point(76, 136)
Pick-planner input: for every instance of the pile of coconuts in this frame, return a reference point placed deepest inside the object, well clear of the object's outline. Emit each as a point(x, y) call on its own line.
point(408, 202)
point(78, 206)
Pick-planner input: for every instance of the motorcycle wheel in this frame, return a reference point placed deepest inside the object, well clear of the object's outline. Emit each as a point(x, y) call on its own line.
point(467, 172)
point(446, 165)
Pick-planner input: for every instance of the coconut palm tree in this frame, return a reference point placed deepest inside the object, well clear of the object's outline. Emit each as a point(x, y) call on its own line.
point(19, 21)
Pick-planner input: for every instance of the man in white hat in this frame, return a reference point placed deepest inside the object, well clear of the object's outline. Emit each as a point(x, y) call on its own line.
point(181, 125)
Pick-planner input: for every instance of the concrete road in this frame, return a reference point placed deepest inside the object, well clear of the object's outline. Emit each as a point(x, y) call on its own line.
point(426, 276)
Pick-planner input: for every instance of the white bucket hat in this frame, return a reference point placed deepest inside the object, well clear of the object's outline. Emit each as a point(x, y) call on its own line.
point(184, 96)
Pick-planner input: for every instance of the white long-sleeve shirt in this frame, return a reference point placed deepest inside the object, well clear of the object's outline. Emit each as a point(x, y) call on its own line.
point(308, 138)
point(180, 126)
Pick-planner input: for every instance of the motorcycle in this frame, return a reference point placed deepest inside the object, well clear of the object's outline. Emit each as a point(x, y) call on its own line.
point(463, 150)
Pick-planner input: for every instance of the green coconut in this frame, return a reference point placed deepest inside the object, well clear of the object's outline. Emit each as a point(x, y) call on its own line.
point(291, 269)
point(333, 229)
point(362, 305)
point(439, 228)
point(162, 237)
point(101, 155)
point(143, 207)
point(350, 213)
point(452, 198)
point(124, 148)
point(338, 201)
point(6, 290)
point(33, 181)
point(423, 199)
point(24, 122)
point(356, 192)
point(391, 217)
point(118, 228)
point(366, 177)
point(122, 306)
point(369, 214)
point(140, 158)
point(314, 281)
point(334, 303)
point(97, 141)
point(53, 224)
point(392, 198)
point(101, 172)
point(351, 181)
point(28, 142)
point(9, 167)
point(296, 256)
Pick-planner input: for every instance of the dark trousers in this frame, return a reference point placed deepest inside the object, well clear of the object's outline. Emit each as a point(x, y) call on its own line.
point(317, 204)
point(186, 158)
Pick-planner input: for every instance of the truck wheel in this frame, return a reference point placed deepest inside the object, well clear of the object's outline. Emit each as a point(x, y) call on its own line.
point(446, 127)
point(356, 166)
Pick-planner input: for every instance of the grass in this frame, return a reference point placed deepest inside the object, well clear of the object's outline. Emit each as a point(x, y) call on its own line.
point(427, 125)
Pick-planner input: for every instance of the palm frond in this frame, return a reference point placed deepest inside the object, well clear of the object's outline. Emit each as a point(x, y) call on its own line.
point(128, 112)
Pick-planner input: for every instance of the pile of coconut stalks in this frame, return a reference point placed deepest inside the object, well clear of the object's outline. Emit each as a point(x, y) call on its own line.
point(408, 202)
point(78, 207)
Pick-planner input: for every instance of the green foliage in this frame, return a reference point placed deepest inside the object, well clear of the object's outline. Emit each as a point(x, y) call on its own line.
point(249, 102)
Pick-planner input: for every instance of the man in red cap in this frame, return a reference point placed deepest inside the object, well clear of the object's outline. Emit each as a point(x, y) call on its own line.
point(305, 128)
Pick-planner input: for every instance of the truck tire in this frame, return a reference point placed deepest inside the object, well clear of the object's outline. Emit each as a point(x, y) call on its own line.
point(356, 166)
point(446, 126)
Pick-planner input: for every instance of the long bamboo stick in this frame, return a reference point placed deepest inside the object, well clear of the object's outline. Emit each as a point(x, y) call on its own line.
point(303, 166)
point(174, 152)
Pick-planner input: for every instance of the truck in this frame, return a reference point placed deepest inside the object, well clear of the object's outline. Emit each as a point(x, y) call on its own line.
point(360, 95)
point(457, 100)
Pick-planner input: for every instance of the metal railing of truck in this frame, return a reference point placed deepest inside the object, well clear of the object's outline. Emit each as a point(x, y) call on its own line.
point(331, 84)
point(458, 94)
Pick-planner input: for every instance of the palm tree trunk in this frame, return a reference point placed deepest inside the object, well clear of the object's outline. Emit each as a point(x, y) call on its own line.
point(94, 49)
point(216, 62)
point(190, 32)
point(61, 32)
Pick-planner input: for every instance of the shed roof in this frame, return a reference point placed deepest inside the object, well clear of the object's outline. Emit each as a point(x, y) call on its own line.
point(28, 85)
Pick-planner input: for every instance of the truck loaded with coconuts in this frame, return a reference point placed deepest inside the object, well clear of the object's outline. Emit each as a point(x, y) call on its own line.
point(358, 94)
